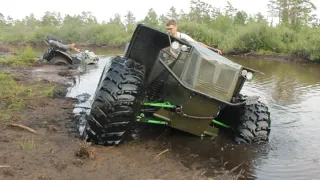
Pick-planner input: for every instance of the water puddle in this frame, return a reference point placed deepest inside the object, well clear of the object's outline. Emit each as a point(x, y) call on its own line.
point(83, 90)
point(86, 83)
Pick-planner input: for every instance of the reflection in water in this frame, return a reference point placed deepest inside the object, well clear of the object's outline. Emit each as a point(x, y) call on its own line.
point(291, 92)
point(86, 84)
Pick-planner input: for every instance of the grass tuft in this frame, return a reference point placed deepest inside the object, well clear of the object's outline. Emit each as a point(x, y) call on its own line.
point(15, 95)
point(25, 58)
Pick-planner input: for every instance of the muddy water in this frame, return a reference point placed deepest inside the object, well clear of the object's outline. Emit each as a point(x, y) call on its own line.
point(292, 92)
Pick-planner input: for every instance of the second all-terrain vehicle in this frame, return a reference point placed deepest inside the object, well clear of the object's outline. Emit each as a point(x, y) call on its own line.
point(58, 54)
point(165, 80)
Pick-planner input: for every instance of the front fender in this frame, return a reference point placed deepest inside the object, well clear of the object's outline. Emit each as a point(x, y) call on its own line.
point(66, 55)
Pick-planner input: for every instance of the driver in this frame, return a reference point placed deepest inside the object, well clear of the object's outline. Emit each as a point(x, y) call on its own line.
point(172, 30)
point(67, 47)
point(72, 47)
point(55, 41)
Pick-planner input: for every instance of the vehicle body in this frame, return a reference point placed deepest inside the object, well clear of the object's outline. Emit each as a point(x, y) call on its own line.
point(58, 54)
point(165, 80)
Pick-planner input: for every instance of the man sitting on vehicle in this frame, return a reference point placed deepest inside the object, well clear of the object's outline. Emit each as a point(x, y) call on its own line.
point(56, 42)
point(172, 30)
point(59, 45)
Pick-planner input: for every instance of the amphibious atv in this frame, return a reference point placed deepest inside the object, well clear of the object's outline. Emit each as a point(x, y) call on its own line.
point(57, 54)
point(167, 81)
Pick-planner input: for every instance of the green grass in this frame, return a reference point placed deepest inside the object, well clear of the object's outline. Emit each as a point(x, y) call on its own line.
point(16, 96)
point(265, 52)
point(24, 58)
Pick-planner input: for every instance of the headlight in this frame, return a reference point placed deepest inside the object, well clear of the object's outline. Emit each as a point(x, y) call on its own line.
point(244, 73)
point(249, 75)
point(184, 48)
point(175, 45)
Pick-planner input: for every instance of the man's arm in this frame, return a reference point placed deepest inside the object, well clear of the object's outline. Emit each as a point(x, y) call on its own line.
point(76, 49)
point(71, 47)
point(216, 50)
point(189, 39)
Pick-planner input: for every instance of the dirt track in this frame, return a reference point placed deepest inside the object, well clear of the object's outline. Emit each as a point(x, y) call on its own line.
point(53, 152)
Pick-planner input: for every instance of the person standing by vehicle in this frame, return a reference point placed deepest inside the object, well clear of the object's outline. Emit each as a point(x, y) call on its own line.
point(172, 29)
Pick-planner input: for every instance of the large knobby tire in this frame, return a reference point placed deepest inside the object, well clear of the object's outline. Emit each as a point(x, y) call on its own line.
point(46, 55)
point(117, 102)
point(254, 125)
point(59, 60)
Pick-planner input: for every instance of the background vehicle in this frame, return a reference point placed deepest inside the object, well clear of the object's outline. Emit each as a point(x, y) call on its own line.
point(57, 54)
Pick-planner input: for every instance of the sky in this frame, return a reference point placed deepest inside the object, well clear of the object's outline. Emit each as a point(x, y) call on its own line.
point(104, 9)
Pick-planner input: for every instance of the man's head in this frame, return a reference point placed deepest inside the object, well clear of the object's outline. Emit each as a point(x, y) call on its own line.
point(172, 27)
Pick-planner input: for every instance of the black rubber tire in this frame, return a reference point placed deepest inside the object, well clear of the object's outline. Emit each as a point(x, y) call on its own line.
point(59, 60)
point(254, 125)
point(46, 55)
point(116, 103)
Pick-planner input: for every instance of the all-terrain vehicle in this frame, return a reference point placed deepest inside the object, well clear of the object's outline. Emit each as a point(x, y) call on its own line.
point(58, 54)
point(165, 80)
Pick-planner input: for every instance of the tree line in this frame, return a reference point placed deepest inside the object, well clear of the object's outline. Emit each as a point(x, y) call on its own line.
point(291, 28)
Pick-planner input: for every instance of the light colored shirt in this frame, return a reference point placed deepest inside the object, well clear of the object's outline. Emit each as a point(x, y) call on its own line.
point(185, 37)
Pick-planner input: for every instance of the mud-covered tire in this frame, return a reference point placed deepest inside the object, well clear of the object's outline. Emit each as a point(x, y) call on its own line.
point(254, 125)
point(116, 103)
point(46, 55)
point(59, 60)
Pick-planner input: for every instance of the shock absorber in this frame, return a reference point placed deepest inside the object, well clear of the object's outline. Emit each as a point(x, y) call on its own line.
point(155, 91)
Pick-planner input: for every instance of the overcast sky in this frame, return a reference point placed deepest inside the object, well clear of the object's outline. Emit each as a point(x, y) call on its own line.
point(103, 9)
